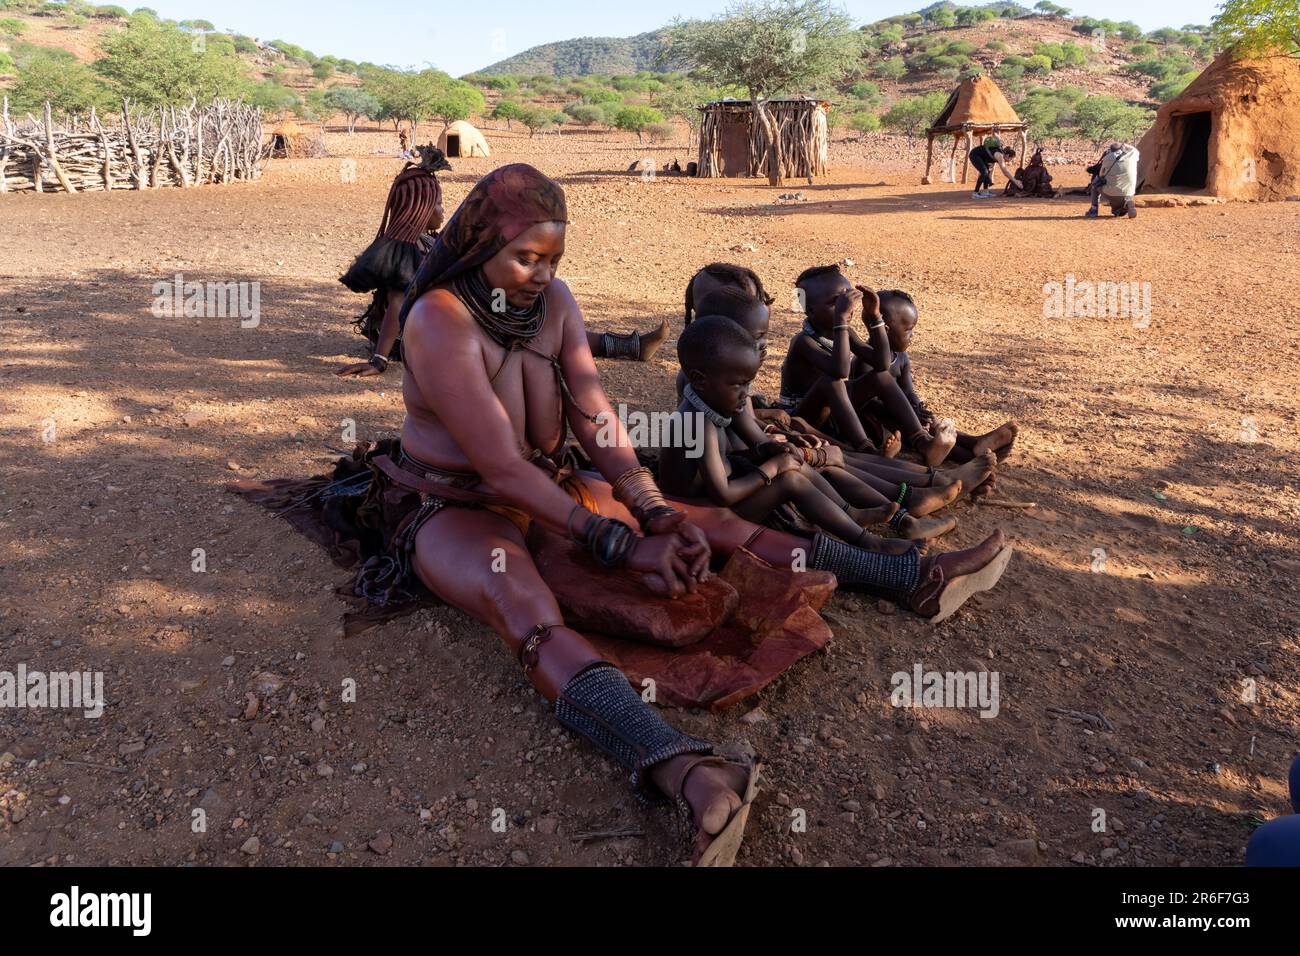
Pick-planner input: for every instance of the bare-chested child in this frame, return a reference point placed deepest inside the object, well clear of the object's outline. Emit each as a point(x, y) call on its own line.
point(825, 356)
point(720, 360)
point(822, 464)
point(712, 285)
point(899, 313)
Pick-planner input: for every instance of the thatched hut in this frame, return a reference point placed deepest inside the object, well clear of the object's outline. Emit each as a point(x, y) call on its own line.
point(733, 144)
point(975, 108)
point(289, 140)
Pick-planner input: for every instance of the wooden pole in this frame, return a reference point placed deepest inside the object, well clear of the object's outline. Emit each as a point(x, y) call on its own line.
point(929, 158)
point(952, 160)
point(965, 166)
point(54, 159)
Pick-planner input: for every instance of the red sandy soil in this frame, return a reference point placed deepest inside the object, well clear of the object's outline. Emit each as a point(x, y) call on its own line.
point(1172, 447)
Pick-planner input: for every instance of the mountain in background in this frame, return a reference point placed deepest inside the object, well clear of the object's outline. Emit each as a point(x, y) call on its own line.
point(584, 56)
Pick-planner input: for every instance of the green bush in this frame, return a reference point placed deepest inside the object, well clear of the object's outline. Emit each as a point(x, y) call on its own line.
point(12, 26)
point(1038, 64)
point(1141, 49)
point(865, 122)
point(997, 46)
point(891, 69)
point(865, 90)
point(660, 132)
point(7, 67)
point(1165, 90)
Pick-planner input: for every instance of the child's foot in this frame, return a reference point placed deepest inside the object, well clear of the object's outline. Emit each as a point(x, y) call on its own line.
point(972, 474)
point(934, 448)
point(892, 445)
point(873, 542)
point(927, 529)
point(866, 517)
point(985, 487)
point(923, 501)
point(999, 441)
point(651, 341)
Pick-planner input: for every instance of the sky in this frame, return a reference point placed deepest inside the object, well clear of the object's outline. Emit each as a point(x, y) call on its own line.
point(460, 37)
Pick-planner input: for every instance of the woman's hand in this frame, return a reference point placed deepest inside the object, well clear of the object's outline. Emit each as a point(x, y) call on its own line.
point(694, 545)
point(659, 559)
point(359, 370)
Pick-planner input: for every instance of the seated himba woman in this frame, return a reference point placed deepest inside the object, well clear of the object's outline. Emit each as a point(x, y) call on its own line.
point(482, 456)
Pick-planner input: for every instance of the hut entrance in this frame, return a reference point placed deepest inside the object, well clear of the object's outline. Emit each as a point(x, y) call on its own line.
point(1193, 164)
point(279, 148)
point(733, 147)
point(453, 144)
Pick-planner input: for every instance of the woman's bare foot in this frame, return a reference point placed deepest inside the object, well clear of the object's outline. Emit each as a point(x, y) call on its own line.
point(973, 473)
point(713, 790)
point(927, 529)
point(892, 445)
point(873, 542)
point(866, 517)
point(1000, 441)
point(651, 341)
point(923, 501)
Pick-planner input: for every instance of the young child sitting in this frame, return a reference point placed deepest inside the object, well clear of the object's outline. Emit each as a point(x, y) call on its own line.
point(900, 317)
point(825, 358)
point(851, 476)
point(720, 360)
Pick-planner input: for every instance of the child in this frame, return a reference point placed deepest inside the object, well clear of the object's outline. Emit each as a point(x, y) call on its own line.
point(851, 476)
point(900, 317)
point(719, 275)
point(720, 360)
point(413, 214)
point(820, 364)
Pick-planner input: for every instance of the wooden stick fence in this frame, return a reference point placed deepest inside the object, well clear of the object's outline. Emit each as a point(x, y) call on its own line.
point(193, 146)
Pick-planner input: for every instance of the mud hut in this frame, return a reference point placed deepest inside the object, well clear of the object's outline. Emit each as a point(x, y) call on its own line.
point(976, 108)
point(289, 140)
point(460, 139)
point(733, 144)
point(1233, 133)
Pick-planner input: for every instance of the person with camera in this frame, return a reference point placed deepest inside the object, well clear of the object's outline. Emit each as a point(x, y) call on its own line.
point(1115, 176)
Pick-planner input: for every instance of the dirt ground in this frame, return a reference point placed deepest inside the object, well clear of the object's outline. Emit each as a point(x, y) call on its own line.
point(1171, 445)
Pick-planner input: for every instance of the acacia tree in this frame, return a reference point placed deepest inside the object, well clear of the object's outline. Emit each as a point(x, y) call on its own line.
point(768, 48)
point(352, 103)
point(1259, 26)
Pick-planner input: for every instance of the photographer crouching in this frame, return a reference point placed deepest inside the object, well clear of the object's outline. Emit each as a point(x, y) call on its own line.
point(1115, 177)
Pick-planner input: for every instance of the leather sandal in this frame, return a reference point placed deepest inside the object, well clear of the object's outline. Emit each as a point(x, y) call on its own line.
point(951, 579)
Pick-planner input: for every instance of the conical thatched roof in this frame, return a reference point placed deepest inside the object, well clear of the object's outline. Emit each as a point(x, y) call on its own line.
point(1235, 126)
point(976, 104)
